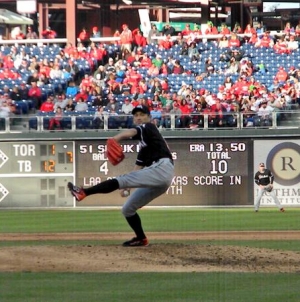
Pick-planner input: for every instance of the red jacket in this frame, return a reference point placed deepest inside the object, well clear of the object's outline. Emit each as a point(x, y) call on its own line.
point(281, 75)
point(49, 34)
point(225, 31)
point(98, 53)
point(47, 107)
point(186, 32)
point(83, 36)
point(35, 92)
point(166, 44)
point(211, 31)
point(146, 62)
point(234, 43)
point(81, 94)
point(265, 42)
point(138, 38)
point(126, 37)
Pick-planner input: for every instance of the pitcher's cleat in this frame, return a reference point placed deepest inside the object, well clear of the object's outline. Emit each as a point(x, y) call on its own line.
point(136, 242)
point(77, 192)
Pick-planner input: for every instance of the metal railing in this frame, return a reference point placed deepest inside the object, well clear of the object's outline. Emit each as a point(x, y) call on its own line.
point(87, 122)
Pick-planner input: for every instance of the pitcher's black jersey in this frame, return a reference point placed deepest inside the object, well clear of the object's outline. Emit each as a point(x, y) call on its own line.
point(152, 145)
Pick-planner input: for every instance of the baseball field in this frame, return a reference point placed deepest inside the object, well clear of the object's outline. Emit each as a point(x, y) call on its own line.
point(195, 254)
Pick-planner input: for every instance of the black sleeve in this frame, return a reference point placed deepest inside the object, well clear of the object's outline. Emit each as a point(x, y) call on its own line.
point(256, 178)
point(271, 177)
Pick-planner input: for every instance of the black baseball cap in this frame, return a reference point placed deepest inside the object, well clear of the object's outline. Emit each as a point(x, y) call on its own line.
point(141, 108)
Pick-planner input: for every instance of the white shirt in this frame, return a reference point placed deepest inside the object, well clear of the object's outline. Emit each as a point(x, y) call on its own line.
point(4, 111)
point(263, 112)
point(127, 108)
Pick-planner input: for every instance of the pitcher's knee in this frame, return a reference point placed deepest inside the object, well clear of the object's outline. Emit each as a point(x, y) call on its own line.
point(128, 210)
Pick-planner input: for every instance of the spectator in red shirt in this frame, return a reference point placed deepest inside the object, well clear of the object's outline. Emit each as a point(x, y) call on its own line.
point(84, 37)
point(20, 36)
point(143, 86)
point(211, 29)
point(9, 74)
point(35, 94)
point(178, 68)
point(47, 106)
point(187, 30)
point(44, 68)
point(224, 29)
point(253, 39)
point(166, 43)
point(145, 61)
point(49, 33)
point(237, 28)
point(241, 86)
point(69, 49)
point(186, 111)
point(164, 84)
point(98, 53)
point(86, 82)
point(281, 75)
point(56, 120)
point(216, 117)
point(126, 39)
point(138, 39)
point(134, 76)
point(8, 62)
point(249, 30)
point(234, 41)
point(265, 41)
point(281, 46)
point(83, 94)
point(165, 69)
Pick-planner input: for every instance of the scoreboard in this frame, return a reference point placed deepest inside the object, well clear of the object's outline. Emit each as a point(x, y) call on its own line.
point(207, 172)
point(35, 174)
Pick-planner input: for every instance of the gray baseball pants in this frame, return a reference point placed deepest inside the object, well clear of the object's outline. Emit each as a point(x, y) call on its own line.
point(150, 182)
point(259, 196)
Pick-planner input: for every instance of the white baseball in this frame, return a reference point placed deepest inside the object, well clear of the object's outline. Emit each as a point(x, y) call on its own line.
point(126, 193)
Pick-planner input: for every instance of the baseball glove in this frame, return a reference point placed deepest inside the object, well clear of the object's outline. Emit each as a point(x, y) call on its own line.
point(114, 152)
point(268, 188)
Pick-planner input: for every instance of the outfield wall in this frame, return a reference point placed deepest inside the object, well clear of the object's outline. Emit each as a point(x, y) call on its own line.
point(212, 168)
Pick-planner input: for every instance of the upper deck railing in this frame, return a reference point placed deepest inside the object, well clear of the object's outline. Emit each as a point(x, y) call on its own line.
point(85, 121)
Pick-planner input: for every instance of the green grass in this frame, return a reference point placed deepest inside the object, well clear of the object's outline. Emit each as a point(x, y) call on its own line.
point(159, 287)
point(31, 221)
point(163, 287)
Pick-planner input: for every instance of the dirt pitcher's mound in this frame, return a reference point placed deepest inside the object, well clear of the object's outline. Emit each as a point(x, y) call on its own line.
point(173, 257)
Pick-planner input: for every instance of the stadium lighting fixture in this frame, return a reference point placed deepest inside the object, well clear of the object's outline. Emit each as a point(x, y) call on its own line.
point(128, 2)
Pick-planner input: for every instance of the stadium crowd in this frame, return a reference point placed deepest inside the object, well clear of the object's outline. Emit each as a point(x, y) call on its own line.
point(181, 76)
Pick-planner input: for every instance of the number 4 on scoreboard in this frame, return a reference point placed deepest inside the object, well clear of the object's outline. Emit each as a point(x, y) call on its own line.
point(103, 168)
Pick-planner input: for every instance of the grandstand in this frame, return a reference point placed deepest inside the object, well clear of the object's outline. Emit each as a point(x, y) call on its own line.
point(26, 119)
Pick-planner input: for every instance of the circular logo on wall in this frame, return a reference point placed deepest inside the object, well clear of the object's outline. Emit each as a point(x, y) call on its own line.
point(284, 161)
